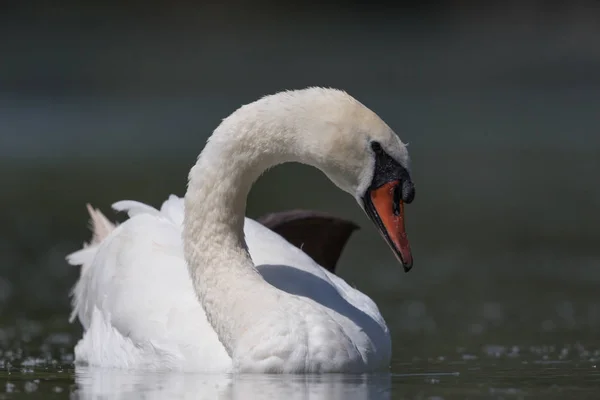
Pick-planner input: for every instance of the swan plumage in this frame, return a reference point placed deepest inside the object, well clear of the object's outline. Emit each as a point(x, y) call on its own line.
point(196, 286)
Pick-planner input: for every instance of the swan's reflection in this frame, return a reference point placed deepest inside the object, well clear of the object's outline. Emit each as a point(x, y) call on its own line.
point(96, 383)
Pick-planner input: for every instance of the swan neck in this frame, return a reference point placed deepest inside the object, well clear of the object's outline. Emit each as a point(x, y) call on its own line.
point(224, 277)
point(219, 184)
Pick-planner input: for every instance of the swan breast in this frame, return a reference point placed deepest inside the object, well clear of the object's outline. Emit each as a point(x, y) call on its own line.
point(300, 338)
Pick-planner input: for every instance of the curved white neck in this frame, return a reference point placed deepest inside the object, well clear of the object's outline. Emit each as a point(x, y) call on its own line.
point(229, 288)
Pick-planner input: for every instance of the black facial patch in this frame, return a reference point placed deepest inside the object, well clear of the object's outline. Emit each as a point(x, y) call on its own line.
point(387, 169)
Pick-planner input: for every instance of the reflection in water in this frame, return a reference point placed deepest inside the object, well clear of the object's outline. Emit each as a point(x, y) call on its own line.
point(96, 383)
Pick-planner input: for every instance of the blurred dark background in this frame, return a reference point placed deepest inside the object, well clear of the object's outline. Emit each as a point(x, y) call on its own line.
point(500, 102)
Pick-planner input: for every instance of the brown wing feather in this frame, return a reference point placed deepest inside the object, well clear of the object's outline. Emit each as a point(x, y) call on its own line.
point(320, 235)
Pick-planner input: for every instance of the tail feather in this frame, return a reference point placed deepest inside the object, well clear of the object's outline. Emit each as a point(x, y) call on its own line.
point(134, 208)
point(101, 227)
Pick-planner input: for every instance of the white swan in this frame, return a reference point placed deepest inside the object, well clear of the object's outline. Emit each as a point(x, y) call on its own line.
point(197, 286)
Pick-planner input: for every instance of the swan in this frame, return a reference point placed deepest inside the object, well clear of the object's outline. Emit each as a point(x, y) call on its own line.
point(196, 286)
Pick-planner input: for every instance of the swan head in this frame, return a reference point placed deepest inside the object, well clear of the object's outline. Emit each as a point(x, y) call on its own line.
point(361, 155)
point(332, 131)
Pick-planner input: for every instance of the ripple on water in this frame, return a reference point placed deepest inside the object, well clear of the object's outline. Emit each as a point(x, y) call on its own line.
point(44, 364)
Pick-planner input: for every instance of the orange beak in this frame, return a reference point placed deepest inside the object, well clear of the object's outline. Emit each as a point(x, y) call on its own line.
point(385, 207)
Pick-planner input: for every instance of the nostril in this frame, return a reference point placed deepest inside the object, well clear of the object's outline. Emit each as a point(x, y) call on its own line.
point(397, 199)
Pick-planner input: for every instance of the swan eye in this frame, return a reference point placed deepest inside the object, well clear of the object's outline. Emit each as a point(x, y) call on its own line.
point(376, 147)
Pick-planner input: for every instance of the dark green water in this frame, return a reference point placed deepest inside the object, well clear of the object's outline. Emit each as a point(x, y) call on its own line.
point(38, 364)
